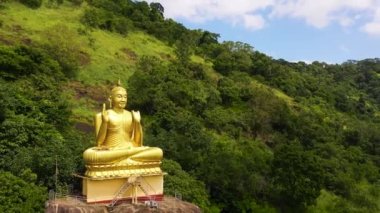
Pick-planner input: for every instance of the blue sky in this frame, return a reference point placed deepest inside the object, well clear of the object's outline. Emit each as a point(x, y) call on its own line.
point(331, 31)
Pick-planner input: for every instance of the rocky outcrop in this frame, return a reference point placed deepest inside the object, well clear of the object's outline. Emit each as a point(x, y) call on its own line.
point(72, 205)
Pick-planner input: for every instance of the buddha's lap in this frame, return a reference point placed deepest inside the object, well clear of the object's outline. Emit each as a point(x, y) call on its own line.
point(111, 155)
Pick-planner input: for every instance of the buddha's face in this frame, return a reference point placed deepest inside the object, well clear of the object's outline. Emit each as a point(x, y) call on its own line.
point(119, 98)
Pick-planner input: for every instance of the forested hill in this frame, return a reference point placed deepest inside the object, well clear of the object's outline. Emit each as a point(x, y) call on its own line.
point(241, 131)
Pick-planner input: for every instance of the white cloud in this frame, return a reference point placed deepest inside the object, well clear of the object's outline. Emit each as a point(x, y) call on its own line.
point(304, 61)
point(255, 14)
point(345, 21)
point(253, 22)
point(321, 13)
point(373, 27)
point(237, 12)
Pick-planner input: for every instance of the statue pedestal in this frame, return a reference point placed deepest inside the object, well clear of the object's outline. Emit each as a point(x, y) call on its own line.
point(105, 190)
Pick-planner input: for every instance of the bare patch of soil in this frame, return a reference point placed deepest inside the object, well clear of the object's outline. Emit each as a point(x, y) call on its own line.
point(129, 53)
point(5, 40)
point(84, 127)
point(96, 93)
point(84, 58)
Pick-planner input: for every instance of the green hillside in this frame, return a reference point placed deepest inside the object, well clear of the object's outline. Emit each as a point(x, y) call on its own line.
point(241, 131)
point(111, 55)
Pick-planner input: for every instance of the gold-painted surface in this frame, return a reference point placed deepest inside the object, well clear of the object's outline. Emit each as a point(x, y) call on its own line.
point(123, 170)
point(106, 189)
point(119, 137)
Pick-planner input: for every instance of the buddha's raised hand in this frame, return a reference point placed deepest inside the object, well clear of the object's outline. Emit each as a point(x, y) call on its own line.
point(136, 116)
point(105, 116)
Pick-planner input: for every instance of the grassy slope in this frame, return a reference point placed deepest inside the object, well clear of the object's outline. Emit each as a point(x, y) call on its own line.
point(112, 55)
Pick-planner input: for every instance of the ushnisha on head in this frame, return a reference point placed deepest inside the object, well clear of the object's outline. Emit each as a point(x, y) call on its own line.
point(118, 98)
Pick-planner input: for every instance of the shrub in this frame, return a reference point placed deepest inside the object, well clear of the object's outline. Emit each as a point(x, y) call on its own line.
point(18, 195)
point(32, 3)
point(76, 2)
point(122, 25)
point(62, 44)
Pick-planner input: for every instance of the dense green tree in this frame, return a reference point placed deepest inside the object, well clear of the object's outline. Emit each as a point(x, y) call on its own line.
point(236, 56)
point(183, 49)
point(180, 183)
point(35, 131)
point(22, 61)
point(21, 195)
point(157, 11)
point(298, 177)
point(27, 143)
point(244, 166)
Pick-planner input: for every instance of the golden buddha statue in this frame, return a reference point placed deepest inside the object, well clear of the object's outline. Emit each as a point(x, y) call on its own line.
point(119, 137)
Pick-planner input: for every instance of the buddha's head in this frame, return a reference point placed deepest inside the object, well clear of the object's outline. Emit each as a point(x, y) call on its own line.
point(118, 97)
